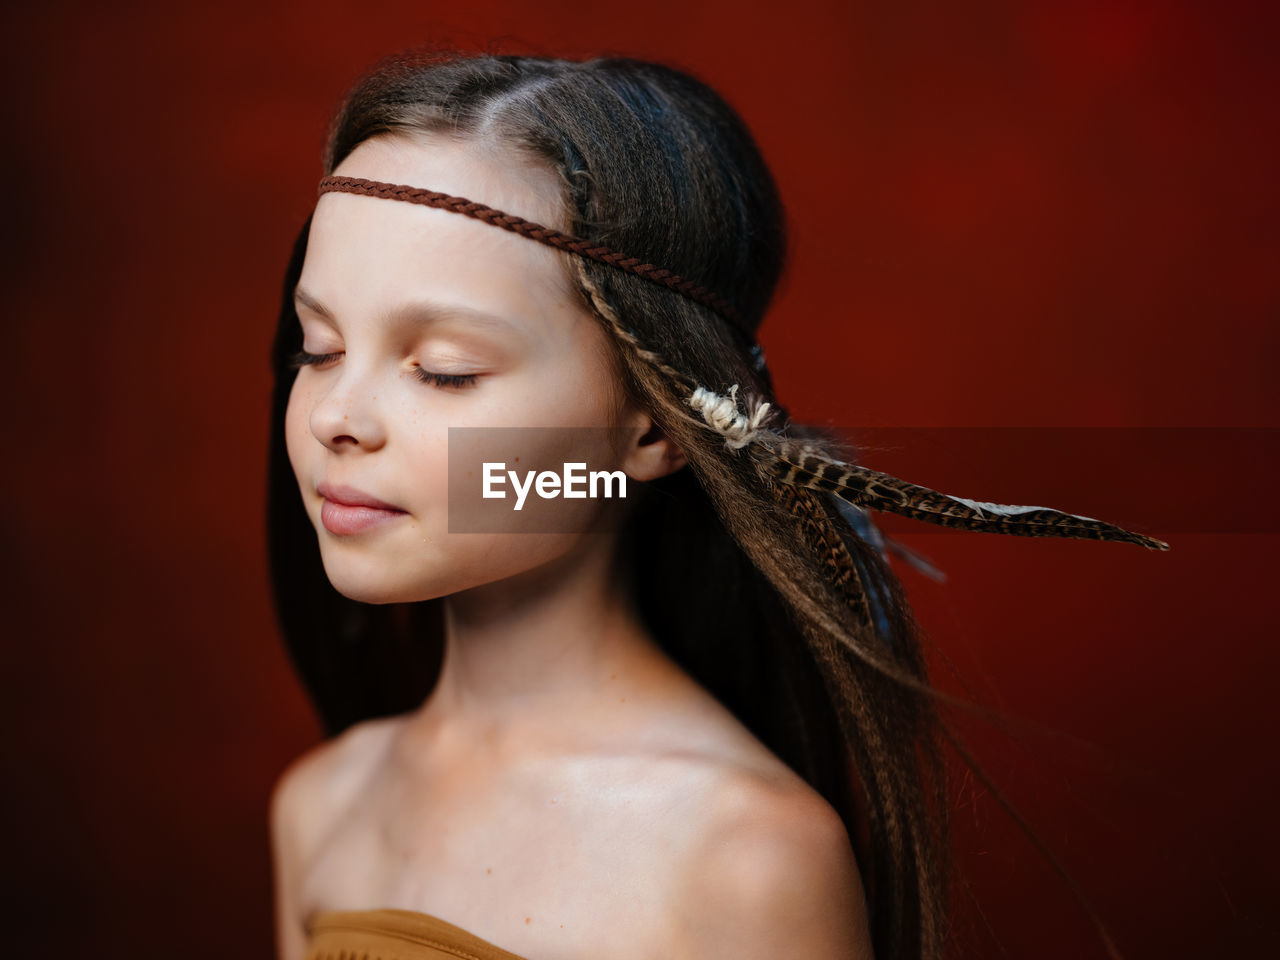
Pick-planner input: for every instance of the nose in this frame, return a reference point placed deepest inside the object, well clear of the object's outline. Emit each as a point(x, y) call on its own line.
point(347, 414)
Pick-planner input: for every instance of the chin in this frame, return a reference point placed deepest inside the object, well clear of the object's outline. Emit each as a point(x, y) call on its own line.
point(380, 590)
point(367, 593)
point(368, 581)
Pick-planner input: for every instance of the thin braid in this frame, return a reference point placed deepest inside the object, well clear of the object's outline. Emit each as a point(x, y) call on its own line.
point(740, 432)
point(536, 231)
point(629, 337)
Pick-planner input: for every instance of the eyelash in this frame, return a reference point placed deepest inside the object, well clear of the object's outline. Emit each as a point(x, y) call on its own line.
point(457, 380)
point(445, 379)
point(304, 359)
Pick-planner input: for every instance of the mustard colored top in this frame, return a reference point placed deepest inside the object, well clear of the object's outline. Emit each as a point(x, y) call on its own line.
point(389, 934)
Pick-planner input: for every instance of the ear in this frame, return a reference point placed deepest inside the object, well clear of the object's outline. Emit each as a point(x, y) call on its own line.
point(649, 453)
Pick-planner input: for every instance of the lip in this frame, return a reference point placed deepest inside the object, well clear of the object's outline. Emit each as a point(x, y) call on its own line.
point(351, 497)
point(347, 510)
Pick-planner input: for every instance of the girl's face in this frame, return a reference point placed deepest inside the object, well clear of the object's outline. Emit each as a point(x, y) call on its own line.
point(431, 320)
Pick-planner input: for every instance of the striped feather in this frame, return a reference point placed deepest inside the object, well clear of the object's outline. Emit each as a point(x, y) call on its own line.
point(800, 465)
point(837, 563)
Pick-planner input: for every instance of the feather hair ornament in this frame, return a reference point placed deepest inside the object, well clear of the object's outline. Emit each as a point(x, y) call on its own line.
point(795, 463)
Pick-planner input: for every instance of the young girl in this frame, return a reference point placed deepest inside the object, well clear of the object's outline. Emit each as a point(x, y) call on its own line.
point(691, 722)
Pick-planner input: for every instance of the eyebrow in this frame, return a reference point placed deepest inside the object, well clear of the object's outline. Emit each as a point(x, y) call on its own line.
point(420, 311)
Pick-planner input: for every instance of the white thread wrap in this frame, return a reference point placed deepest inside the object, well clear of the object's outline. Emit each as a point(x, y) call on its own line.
point(721, 413)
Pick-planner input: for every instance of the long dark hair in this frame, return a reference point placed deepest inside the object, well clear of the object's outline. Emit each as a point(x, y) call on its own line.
point(655, 163)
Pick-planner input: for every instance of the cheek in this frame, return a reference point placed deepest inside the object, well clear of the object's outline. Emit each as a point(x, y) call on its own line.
point(601, 380)
point(582, 389)
point(424, 468)
point(297, 429)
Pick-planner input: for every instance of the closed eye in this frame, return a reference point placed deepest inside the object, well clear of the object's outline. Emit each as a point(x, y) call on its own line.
point(304, 359)
point(445, 379)
point(457, 380)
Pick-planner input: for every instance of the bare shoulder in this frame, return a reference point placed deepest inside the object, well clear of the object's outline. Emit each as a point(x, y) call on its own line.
point(773, 874)
point(324, 779)
point(306, 799)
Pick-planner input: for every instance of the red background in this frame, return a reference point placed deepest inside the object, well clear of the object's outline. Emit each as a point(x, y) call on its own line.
point(1005, 214)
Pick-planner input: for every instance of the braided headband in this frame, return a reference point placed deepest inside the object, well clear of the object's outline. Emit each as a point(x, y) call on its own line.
point(795, 465)
point(552, 238)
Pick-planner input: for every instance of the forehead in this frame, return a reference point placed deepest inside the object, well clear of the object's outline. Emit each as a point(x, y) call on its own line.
point(478, 169)
point(365, 247)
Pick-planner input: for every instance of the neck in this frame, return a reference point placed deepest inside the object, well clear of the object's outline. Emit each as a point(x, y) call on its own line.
point(542, 653)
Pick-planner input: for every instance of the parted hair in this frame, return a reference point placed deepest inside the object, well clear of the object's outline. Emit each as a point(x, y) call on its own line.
point(762, 589)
